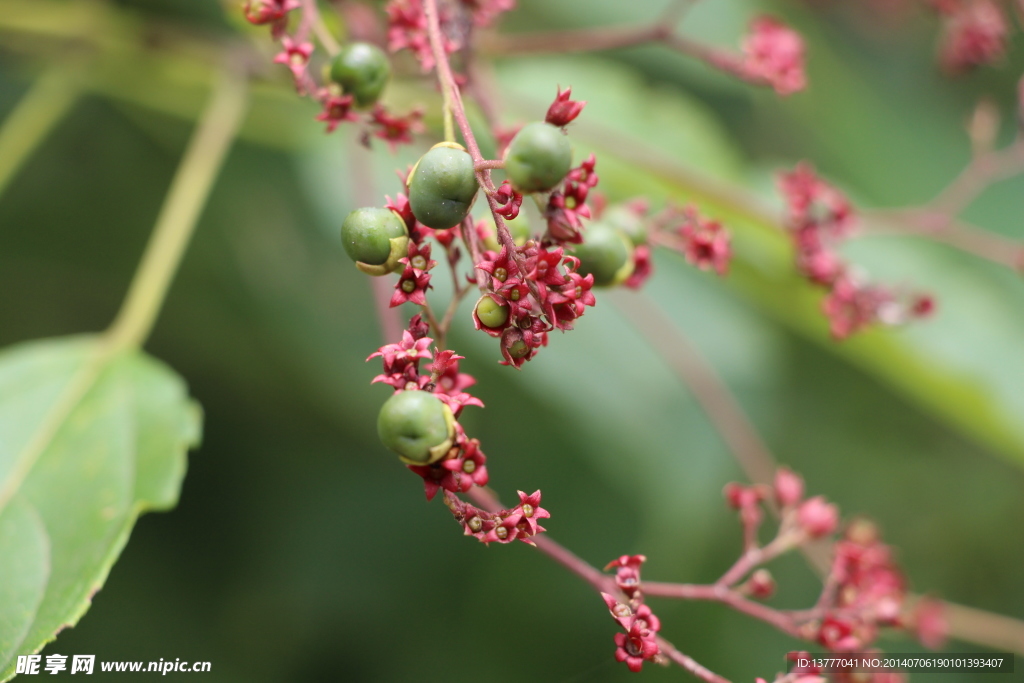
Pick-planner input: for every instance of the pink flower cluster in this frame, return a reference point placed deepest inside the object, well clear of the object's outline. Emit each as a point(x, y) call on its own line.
point(774, 53)
point(639, 643)
point(542, 290)
point(819, 218)
point(975, 32)
point(521, 523)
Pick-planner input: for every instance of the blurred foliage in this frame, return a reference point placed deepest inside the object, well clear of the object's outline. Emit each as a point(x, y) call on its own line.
point(301, 551)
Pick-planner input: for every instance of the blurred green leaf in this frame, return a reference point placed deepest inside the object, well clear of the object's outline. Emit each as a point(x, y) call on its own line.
point(89, 441)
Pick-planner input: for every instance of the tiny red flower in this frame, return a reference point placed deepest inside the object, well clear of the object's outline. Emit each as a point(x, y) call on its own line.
point(395, 130)
point(563, 110)
point(635, 647)
point(295, 56)
point(273, 12)
point(705, 242)
point(337, 109)
point(412, 286)
point(407, 29)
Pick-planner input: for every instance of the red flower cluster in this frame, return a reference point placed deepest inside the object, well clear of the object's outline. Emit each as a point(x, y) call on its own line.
point(639, 642)
point(567, 206)
point(519, 523)
point(974, 33)
point(401, 368)
point(870, 590)
point(819, 218)
point(543, 293)
point(407, 29)
point(774, 53)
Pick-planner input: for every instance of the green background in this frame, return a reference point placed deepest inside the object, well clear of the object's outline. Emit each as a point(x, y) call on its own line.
point(302, 551)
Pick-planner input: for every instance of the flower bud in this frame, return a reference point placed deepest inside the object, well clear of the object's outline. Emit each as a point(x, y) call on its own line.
point(762, 584)
point(789, 487)
point(818, 517)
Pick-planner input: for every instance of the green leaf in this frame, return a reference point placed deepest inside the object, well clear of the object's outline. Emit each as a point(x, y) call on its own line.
point(90, 438)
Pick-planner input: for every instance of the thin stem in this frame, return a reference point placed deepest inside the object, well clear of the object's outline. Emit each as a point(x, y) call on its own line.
point(189, 189)
point(35, 116)
point(720, 593)
point(983, 170)
point(489, 164)
point(688, 663)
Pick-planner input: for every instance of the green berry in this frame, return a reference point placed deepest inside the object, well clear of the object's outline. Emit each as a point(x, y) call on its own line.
point(628, 222)
point(491, 313)
point(375, 239)
point(442, 186)
point(362, 70)
point(606, 253)
point(538, 158)
point(518, 349)
point(417, 425)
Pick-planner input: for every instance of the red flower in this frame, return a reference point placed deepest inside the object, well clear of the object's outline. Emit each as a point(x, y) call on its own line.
point(395, 130)
point(563, 110)
point(773, 52)
point(509, 199)
point(851, 307)
point(635, 646)
point(337, 109)
point(409, 351)
point(412, 286)
point(295, 56)
point(500, 267)
point(529, 507)
point(788, 487)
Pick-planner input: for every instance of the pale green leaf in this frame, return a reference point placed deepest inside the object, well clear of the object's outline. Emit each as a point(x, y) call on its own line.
point(89, 439)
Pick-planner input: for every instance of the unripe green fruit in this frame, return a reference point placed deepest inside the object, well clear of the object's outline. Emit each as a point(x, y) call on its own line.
point(628, 222)
point(538, 158)
point(375, 239)
point(518, 349)
point(491, 313)
point(442, 186)
point(606, 253)
point(362, 70)
point(417, 425)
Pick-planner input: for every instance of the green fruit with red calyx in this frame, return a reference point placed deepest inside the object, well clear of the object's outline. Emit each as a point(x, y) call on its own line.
point(538, 158)
point(628, 222)
point(442, 186)
point(417, 425)
point(375, 239)
point(606, 253)
point(491, 313)
point(362, 70)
